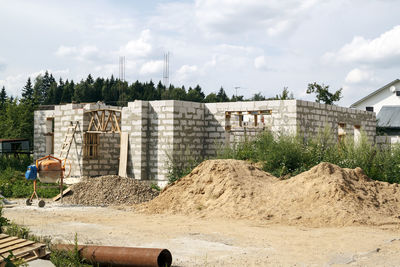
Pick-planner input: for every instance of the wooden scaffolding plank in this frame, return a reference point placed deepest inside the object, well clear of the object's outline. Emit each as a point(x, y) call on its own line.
point(28, 253)
point(66, 191)
point(8, 239)
point(10, 246)
point(3, 236)
point(14, 242)
point(20, 248)
point(123, 156)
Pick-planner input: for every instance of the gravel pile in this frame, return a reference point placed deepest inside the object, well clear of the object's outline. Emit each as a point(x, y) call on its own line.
point(110, 190)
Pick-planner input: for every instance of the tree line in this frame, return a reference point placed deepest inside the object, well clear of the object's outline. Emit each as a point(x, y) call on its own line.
point(16, 113)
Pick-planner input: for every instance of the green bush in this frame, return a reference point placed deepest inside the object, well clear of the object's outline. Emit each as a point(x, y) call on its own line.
point(289, 155)
point(13, 183)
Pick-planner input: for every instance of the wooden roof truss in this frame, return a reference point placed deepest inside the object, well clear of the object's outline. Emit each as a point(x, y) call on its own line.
point(104, 121)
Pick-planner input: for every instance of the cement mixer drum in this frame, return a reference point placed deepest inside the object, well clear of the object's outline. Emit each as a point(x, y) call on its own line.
point(49, 170)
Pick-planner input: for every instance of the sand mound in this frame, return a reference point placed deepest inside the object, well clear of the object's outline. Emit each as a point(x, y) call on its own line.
point(110, 190)
point(326, 195)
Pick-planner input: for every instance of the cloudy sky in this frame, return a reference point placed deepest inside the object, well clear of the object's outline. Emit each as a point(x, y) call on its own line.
point(259, 46)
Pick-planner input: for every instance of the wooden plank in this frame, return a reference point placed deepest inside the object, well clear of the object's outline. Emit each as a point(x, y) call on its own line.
point(3, 236)
point(66, 191)
point(117, 123)
point(8, 239)
point(123, 154)
point(108, 120)
point(97, 121)
point(107, 109)
point(30, 252)
point(91, 121)
point(10, 246)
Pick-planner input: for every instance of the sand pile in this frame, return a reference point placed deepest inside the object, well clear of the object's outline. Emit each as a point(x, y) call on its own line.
point(110, 190)
point(324, 195)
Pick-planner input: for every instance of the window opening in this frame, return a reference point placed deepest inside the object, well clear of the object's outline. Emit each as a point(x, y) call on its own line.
point(357, 134)
point(341, 132)
point(91, 142)
point(241, 119)
point(49, 135)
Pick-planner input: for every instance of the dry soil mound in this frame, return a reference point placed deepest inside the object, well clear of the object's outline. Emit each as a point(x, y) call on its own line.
point(324, 195)
point(110, 190)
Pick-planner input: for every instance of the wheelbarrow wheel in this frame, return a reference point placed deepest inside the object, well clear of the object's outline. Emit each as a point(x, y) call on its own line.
point(41, 203)
point(28, 202)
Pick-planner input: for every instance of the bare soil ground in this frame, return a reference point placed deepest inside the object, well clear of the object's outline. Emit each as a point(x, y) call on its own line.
point(202, 241)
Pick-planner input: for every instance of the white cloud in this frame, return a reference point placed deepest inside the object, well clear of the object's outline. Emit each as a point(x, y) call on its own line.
point(2, 66)
point(114, 24)
point(186, 72)
point(140, 47)
point(237, 16)
point(82, 53)
point(15, 83)
point(358, 76)
point(260, 63)
point(383, 50)
point(151, 67)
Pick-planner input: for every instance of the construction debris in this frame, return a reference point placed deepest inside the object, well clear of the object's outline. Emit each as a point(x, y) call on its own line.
point(110, 190)
point(326, 195)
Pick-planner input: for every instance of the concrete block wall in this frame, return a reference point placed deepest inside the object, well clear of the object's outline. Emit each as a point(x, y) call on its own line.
point(107, 161)
point(160, 139)
point(188, 132)
point(314, 117)
point(161, 132)
point(135, 121)
point(39, 132)
point(281, 119)
point(108, 149)
point(63, 115)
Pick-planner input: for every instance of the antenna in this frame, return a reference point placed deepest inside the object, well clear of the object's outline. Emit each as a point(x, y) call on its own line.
point(166, 70)
point(121, 78)
point(122, 68)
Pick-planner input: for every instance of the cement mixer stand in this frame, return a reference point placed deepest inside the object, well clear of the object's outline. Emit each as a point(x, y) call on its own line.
point(41, 202)
point(48, 169)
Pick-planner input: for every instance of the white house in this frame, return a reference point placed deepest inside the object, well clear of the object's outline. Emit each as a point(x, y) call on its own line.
point(385, 102)
point(388, 95)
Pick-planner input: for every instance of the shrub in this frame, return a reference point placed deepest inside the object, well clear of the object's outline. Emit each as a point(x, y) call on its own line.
point(291, 154)
point(13, 182)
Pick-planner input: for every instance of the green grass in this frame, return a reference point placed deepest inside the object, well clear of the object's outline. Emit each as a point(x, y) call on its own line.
point(13, 183)
point(289, 155)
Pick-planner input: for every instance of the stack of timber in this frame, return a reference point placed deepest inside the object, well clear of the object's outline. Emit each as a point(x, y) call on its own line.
point(20, 248)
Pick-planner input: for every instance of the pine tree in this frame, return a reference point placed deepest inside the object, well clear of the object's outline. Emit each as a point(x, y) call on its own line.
point(27, 92)
point(195, 95)
point(45, 88)
point(160, 90)
point(58, 91)
point(78, 92)
point(3, 98)
point(221, 96)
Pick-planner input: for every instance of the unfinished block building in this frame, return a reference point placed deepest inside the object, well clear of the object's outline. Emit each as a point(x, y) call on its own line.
point(160, 132)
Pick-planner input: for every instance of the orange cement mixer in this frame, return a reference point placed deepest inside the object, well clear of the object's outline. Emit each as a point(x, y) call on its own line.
point(50, 170)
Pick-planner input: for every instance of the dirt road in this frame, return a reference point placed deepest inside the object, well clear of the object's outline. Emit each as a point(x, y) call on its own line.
point(214, 242)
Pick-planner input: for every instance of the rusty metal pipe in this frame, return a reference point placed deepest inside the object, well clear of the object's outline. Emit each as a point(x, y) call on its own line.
point(121, 256)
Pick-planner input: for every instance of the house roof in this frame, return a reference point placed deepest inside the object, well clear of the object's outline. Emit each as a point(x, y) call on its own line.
point(375, 92)
point(389, 117)
point(13, 140)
